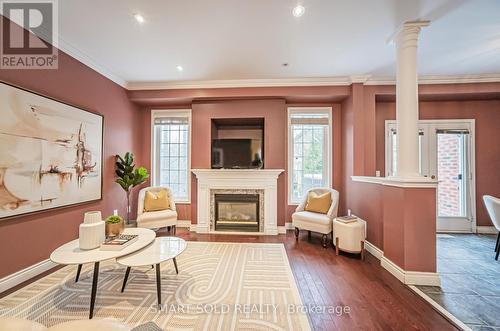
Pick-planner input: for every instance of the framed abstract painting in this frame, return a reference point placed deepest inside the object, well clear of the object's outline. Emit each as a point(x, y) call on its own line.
point(50, 153)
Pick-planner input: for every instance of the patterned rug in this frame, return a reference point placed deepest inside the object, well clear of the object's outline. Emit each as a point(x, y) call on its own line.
point(220, 286)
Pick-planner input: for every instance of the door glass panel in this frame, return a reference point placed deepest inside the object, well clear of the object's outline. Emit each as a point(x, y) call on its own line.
point(451, 171)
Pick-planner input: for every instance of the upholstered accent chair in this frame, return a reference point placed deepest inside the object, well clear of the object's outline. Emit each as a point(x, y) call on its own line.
point(159, 218)
point(316, 222)
point(493, 206)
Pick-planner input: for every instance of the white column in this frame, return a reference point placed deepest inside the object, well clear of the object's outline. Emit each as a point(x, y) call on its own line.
point(406, 40)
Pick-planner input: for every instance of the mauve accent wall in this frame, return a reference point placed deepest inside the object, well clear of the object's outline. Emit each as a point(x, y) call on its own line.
point(275, 120)
point(487, 116)
point(35, 236)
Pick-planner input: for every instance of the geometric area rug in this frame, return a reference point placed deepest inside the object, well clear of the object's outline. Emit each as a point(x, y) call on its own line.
point(220, 286)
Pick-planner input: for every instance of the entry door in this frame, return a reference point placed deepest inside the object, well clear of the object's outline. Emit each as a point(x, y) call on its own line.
point(445, 155)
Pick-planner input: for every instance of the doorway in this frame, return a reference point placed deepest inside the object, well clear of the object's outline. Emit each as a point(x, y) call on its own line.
point(446, 153)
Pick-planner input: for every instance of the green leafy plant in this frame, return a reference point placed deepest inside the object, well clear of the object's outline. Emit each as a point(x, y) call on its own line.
point(113, 219)
point(129, 176)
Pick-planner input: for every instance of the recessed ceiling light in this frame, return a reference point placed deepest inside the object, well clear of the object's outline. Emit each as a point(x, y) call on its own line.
point(298, 11)
point(179, 68)
point(139, 18)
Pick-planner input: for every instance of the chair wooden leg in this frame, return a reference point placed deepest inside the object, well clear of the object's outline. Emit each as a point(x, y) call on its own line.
point(325, 240)
point(309, 235)
point(337, 246)
point(296, 233)
point(175, 229)
point(362, 250)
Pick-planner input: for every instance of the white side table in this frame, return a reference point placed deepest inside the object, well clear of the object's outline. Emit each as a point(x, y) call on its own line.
point(350, 237)
point(161, 250)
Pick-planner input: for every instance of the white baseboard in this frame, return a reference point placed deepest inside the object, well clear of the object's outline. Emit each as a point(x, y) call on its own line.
point(25, 274)
point(373, 250)
point(410, 277)
point(184, 223)
point(282, 229)
point(486, 230)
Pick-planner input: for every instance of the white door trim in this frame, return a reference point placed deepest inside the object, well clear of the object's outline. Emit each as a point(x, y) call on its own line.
point(471, 123)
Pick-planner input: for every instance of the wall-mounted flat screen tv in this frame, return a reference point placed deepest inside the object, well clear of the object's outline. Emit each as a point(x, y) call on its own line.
point(237, 154)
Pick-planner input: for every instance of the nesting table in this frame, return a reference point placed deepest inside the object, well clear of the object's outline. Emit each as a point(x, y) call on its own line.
point(71, 254)
point(161, 250)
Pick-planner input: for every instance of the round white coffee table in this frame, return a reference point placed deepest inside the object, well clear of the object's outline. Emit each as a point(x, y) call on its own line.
point(70, 253)
point(161, 250)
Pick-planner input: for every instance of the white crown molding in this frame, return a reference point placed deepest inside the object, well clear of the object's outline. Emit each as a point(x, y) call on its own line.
point(285, 82)
point(25, 274)
point(89, 62)
point(440, 79)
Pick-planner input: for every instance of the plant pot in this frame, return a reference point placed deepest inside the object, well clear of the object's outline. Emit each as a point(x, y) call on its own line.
point(114, 229)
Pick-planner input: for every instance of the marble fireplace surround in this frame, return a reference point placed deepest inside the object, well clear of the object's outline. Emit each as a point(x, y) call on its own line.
point(236, 181)
point(260, 193)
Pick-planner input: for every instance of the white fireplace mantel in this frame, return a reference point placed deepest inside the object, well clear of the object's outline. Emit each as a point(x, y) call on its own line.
point(213, 179)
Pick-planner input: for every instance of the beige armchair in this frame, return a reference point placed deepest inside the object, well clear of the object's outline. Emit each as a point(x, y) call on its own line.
point(316, 222)
point(156, 219)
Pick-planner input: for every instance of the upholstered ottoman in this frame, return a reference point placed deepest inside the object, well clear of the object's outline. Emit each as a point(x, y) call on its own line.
point(349, 237)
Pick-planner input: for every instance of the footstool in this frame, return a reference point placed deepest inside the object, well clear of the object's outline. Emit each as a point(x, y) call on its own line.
point(349, 237)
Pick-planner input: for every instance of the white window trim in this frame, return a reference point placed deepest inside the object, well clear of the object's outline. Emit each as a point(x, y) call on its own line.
point(154, 162)
point(312, 110)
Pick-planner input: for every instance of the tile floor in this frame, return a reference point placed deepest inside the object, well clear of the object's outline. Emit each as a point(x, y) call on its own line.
point(470, 280)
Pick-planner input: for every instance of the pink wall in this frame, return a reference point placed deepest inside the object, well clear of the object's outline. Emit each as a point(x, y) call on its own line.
point(275, 118)
point(487, 116)
point(33, 237)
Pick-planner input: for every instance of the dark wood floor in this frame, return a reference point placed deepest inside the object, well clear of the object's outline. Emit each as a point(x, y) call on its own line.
point(377, 300)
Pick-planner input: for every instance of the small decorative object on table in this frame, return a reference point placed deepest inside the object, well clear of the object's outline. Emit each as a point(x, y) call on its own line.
point(114, 226)
point(347, 219)
point(119, 242)
point(91, 233)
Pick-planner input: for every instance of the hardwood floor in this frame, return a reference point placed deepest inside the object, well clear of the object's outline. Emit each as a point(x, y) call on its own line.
point(377, 300)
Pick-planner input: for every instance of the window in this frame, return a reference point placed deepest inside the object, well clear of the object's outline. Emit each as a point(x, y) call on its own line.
point(171, 152)
point(309, 151)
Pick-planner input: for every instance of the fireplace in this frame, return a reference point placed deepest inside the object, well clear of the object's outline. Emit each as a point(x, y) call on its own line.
point(237, 212)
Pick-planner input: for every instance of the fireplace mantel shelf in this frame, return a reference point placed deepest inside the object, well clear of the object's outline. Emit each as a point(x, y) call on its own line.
point(237, 173)
point(237, 179)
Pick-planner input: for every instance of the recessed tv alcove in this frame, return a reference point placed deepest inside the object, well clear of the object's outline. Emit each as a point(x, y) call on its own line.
point(238, 143)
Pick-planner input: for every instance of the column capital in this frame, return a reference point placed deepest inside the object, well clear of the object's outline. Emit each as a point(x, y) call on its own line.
point(407, 33)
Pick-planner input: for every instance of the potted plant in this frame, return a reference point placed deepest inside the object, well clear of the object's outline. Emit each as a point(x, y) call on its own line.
point(129, 176)
point(114, 225)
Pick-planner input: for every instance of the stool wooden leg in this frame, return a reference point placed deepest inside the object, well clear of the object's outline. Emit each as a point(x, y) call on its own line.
point(362, 250)
point(337, 246)
point(296, 233)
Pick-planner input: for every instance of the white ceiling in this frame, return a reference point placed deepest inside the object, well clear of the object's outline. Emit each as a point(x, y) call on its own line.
point(251, 39)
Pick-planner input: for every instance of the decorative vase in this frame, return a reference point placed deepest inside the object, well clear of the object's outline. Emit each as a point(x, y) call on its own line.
point(92, 231)
point(92, 217)
point(114, 229)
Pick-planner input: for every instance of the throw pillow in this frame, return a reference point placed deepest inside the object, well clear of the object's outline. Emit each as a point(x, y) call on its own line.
point(318, 203)
point(154, 201)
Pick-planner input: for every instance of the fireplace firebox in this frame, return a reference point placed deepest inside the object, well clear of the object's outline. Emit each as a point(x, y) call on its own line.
point(237, 212)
